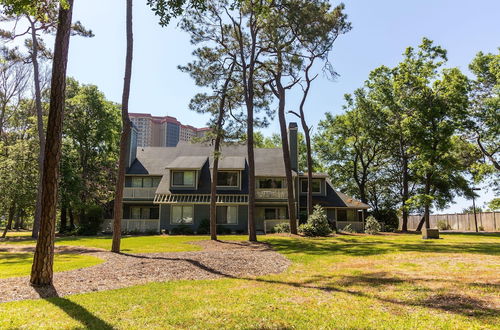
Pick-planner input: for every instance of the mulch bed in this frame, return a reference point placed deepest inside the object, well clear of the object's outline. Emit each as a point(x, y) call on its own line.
point(218, 259)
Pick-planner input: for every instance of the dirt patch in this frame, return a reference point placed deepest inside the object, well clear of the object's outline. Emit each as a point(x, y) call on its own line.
point(218, 260)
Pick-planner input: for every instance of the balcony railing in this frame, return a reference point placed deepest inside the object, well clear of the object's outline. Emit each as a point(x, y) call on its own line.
point(271, 193)
point(132, 225)
point(139, 193)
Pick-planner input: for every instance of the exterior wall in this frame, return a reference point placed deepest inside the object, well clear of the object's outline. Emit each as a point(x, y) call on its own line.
point(172, 134)
point(201, 212)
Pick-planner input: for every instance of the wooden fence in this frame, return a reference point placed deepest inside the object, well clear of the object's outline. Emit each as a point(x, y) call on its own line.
point(486, 221)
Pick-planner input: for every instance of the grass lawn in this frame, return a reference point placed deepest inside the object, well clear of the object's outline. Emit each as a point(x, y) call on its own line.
point(397, 281)
point(19, 264)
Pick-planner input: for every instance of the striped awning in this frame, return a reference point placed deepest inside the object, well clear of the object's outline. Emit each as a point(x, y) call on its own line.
point(199, 199)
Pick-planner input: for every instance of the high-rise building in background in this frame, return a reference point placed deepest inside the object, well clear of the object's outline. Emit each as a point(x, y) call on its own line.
point(153, 131)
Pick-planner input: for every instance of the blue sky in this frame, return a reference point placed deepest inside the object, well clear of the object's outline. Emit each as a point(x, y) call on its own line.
point(381, 31)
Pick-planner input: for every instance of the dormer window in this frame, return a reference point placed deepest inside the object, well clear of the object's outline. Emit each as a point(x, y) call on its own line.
point(227, 179)
point(316, 186)
point(183, 178)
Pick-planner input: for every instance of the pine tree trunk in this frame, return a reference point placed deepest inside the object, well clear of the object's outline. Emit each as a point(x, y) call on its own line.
point(213, 190)
point(124, 139)
point(71, 220)
point(41, 135)
point(64, 219)
point(286, 158)
point(309, 166)
point(8, 226)
point(252, 234)
point(42, 270)
point(405, 196)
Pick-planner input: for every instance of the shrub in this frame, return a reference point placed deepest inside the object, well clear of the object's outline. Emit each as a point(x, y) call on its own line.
point(282, 228)
point(91, 221)
point(182, 230)
point(317, 224)
point(481, 228)
point(204, 227)
point(372, 226)
point(348, 229)
point(443, 225)
point(223, 230)
point(388, 217)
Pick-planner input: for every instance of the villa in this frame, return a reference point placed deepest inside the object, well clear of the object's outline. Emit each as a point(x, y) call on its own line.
point(169, 187)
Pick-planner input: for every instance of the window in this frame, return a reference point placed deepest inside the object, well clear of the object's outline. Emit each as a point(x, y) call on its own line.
point(270, 183)
point(346, 215)
point(227, 215)
point(227, 179)
point(182, 214)
point(270, 214)
point(145, 182)
point(316, 186)
point(183, 178)
point(140, 212)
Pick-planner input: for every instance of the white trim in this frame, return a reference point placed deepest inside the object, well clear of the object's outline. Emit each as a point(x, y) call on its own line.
point(238, 185)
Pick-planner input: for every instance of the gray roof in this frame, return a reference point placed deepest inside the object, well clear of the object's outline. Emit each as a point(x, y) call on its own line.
point(230, 163)
point(155, 160)
point(188, 162)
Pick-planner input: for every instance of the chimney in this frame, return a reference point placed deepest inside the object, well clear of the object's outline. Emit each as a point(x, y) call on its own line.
point(293, 145)
point(132, 145)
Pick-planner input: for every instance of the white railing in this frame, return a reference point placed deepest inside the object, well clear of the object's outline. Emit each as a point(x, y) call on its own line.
point(357, 226)
point(128, 225)
point(269, 224)
point(271, 193)
point(142, 193)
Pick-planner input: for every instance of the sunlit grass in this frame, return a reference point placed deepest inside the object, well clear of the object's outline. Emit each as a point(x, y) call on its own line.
point(19, 264)
point(387, 282)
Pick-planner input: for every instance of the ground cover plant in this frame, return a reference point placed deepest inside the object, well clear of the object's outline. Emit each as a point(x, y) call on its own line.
point(347, 281)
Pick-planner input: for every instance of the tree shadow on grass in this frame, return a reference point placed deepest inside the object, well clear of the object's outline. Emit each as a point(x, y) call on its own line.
point(72, 309)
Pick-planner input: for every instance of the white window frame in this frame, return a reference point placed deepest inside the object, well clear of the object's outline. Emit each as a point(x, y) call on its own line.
point(182, 212)
point(283, 182)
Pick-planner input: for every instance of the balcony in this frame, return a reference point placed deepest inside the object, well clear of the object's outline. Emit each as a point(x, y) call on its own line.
point(139, 193)
point(271, 193)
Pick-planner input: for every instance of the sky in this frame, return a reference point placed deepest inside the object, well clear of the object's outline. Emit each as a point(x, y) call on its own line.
point(381, 31)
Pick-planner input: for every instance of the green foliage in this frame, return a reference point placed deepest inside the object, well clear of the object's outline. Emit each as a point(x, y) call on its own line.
point(282, 228)
point(348, 229)
point(317, 224)
point(182, 230)
point(91, 220)
point(372, 226)
point(168, 9)
point(388, 217)
point(221, 230)
point(470, 209)
point(494, 204)
point(203, 227)
point(443, 225)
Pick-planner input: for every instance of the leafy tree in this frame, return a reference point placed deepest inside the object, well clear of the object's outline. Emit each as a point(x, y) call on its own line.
point(89, 151)
point(483, 120)
point(470, 209)
point(494, 204)
point(351, 146)
point(214, 68)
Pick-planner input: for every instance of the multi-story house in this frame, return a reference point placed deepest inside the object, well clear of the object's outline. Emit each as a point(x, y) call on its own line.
point(168, 187)
point(165, 131)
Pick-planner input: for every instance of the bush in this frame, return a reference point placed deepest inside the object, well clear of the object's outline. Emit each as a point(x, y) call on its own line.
point(348, 229)
point(182, 230)
point(443, 225)
point(388, 217)
point(223, 230)
point(481, 228)
point(317, 224)
point(282, 228)
point(91, 221)
point(372, 226)
point(204, 227)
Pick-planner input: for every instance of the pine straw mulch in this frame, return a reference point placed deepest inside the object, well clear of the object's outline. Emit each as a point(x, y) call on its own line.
point(218, 259)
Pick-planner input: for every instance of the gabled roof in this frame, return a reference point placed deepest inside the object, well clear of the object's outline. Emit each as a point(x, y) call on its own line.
point(230, 163)
point(188, 162)
point(154, 160)
point(334, 198)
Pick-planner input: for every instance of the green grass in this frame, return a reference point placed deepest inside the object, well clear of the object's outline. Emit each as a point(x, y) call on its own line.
point(130, 244)
point(19, 264)
point(347, 281)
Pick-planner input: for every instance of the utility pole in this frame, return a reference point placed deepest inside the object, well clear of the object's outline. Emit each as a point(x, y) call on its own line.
point(474, 207)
